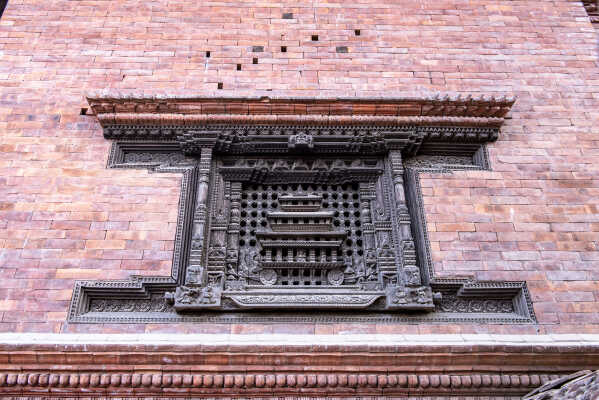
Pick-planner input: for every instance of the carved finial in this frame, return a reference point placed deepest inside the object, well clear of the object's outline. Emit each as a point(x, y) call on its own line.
point(301, 141)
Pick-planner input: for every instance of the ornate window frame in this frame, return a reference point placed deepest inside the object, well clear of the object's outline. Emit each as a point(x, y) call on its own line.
point(192, 135)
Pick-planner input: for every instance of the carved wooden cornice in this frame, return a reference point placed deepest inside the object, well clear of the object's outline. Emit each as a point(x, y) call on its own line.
point(283, 365)
point(437, 109)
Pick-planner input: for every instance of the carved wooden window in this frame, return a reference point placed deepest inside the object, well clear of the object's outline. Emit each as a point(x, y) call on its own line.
point(300, 213)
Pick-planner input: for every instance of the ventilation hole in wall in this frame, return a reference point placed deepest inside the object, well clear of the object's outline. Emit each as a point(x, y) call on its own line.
point(257, 49)
point(238, 67)
point(254, 60)
point(315, 38)
point(220, 85)
point(83, 111)
point(287, 15)
point(207, 54)
point(342, 49)
point(283, 49)
point(357, 32)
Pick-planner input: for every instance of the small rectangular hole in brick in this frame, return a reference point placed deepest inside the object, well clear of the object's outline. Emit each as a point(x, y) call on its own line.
point(315, 38)
point(287, 15)
point(257, 49)
point(207, 54)
point(254, 60)
point(357, 32)
point(283, 49)
point(83, 111)
point(342, 49)
point(220, 85)
point(238, 67)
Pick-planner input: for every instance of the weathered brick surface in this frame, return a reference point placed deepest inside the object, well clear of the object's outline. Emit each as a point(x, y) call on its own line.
point(64, 216)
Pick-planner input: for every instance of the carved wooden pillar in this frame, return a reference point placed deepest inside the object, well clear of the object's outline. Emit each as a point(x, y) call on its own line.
point(398, 185)
point(367, 194)
point(233, 228)
point(201, 289)
point(200, 213)
point(411, 272)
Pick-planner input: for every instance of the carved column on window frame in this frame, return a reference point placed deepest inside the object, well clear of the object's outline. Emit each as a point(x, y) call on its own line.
point(409, 282)
point(218, 205)
point(235, 278)
point(411, 271)
point(201, 207)
point(367, 195)
point(201, 288)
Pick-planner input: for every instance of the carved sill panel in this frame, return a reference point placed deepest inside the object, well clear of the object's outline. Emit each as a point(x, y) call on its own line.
point(297, 219)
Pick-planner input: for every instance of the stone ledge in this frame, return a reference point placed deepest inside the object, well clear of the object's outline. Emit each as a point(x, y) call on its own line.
point(337, 365)
point(557, 340)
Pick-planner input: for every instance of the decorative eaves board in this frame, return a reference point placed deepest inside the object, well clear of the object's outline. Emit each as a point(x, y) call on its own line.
point(450, 109)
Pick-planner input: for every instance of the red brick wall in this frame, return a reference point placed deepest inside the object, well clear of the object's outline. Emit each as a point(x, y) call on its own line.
point(64, 216)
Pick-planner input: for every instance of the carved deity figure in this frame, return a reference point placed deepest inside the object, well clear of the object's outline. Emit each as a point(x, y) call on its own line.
point(412, 276)
point(207, 296)
point(400, 296)
point(371, 266)
point(358, 266)
point(195, 275)
point(422, 295)
point(249, 263)
point(188, 295)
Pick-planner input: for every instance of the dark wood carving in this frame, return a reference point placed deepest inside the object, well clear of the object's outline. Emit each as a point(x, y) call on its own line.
point(299, 219)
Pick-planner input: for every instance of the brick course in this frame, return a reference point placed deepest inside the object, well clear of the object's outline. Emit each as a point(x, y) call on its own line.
point(64, 216)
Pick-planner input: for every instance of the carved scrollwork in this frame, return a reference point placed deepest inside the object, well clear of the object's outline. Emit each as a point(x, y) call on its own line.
point(436, 161)
point(156, 303)
point(454, 304)
point(306, 299)
point(147, 157)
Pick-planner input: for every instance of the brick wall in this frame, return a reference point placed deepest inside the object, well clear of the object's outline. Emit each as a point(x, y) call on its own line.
point(64, 216)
